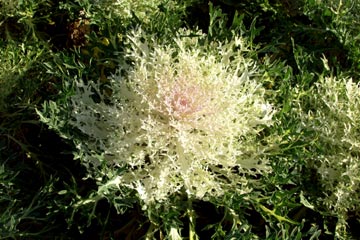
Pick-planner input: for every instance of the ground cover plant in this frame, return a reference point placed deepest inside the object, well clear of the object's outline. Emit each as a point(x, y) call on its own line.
point(179, 119)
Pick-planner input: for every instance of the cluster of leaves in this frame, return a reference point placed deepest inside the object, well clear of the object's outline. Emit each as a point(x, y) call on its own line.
point(90, 66)
point(333, 122)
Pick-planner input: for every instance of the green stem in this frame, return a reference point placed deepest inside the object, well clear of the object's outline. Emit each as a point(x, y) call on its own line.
point(278, 217)
point(190, 212)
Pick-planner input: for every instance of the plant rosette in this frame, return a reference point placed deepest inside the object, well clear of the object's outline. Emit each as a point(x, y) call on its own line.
point(184, 116)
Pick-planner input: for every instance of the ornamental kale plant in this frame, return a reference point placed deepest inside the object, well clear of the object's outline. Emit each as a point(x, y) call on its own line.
point(184, 116)
point(335, 120)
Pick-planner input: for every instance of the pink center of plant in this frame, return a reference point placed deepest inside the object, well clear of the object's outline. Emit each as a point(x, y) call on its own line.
point(184, 101)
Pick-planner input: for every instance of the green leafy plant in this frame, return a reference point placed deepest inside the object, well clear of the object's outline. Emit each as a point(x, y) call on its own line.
point(242, 126)
point(334, 122)
point(16, 60)
point(183, 117)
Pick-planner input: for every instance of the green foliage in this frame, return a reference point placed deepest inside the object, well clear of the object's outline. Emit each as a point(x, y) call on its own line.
point(17, 61)
point(85, 98)
point(341, 18)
